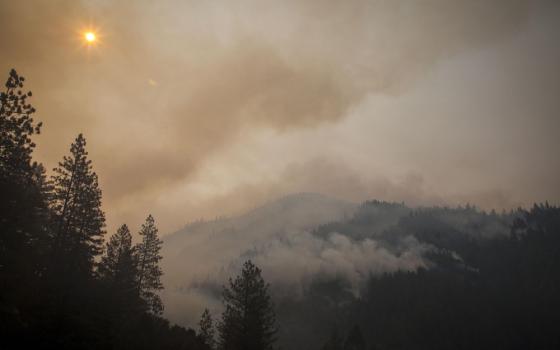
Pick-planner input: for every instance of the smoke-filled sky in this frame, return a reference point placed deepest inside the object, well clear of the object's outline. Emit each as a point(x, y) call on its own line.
point(203, 108)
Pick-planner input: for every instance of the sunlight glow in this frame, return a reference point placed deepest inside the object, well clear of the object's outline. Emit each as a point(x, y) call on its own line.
point(90, 37)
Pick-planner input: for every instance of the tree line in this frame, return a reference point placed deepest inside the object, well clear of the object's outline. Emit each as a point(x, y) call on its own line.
point(62, 285)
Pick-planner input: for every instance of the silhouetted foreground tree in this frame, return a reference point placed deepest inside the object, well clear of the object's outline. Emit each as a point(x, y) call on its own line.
point(23, 206)
point(118, 266)
point(149, 271)
point(52, 293)
point(248, 321)
point(78, 222)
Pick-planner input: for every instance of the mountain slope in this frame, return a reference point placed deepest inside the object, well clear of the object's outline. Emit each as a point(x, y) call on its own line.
point(304, 239)
point(201, 256)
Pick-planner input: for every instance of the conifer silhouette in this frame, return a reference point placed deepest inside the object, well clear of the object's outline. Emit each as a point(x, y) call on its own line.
point(78, 221)
point(249, 321)
point(149, 272)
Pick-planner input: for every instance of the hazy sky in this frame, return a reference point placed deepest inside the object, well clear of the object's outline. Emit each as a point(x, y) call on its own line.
point(203, 108)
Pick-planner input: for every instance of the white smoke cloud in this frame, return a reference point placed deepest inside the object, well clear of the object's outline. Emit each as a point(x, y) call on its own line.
point(199, 260)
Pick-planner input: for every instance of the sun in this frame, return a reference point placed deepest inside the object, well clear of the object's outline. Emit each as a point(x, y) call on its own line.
point(90, 37)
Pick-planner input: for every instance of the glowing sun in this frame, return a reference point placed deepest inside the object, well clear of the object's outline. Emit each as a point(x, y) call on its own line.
point(90, 37)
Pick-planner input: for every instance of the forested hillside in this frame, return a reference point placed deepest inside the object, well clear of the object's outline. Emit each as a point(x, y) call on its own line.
point(387, 276)
point(489, 282)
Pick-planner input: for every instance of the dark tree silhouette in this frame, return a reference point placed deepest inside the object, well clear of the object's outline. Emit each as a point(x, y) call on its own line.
point(16, 128)
point(149, 272)
point(248, 322)
point(118, 266)
point(78, 221)
point(23, 206)
point(206, 329)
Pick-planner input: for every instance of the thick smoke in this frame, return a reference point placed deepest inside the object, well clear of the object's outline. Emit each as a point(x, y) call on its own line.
point(278, 237)
point(172, 83)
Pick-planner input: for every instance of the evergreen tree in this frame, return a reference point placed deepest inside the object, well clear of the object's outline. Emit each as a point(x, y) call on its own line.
point(149, 272)
point(16, 128)
point(23, 206)
point(118, 265)
point(248, 322)
point(206, 329)
point(78, 221)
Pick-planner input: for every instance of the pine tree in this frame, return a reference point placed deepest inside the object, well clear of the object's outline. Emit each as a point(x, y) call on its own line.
point(78, 221)
point(23, 206)
point(149, 272)
point(118, 265)
point(16, 128)
point(248, 322)
point(206, 329)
